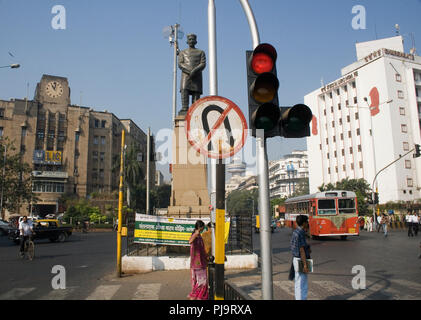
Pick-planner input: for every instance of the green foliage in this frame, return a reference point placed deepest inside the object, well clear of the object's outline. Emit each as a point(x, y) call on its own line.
point(97, 217)
point(302, 188)
point(359, 186)
point(240, 202)
point(81, 210)
point(17, 178)
point(276, 202)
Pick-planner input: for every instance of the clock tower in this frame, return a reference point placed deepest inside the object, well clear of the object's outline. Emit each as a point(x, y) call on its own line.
point(53, 90)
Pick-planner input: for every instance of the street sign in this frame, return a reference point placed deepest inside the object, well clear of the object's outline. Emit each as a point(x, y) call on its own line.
point(216, 121)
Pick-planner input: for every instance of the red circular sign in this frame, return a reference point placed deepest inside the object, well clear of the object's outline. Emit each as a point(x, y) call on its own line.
point(216, 127)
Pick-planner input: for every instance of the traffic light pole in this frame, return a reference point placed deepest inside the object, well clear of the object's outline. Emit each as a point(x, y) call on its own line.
point(264, 212)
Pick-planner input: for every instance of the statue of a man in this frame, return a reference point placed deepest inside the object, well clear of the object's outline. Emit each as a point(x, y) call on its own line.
point(191, 61)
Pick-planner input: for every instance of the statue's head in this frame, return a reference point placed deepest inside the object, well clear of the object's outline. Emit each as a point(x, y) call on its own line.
point(191, 40)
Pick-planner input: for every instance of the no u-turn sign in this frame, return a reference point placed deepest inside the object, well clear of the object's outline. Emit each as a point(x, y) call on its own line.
point(216, 127)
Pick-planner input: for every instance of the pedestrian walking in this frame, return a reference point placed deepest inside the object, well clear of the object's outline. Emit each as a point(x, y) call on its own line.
point(409, 223)
point(198, 264)
point(207, 239)
point(415, 223)
point(301, 253)
point(379, 223)
point(370, 224)
point(385, 223)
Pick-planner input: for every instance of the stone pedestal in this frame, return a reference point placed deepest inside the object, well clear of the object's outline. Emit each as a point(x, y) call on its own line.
point(189, 190)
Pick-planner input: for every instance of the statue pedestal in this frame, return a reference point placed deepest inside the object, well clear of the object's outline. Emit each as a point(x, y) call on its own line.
point(189, 190)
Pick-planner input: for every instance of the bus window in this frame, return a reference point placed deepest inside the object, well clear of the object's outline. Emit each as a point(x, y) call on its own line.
point(346, 206)
point(327, 207)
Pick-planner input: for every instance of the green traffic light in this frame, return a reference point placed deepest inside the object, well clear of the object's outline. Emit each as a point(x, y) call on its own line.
point(264, 123)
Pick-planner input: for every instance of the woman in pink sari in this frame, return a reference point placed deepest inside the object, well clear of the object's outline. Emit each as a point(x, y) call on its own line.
point(198, 265)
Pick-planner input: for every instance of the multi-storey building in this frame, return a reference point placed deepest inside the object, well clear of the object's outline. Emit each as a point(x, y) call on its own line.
point(286, 174)
point(367, 119)
point(72, 149)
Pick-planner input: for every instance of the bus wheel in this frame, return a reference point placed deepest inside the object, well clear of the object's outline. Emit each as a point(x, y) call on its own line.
point(343, 238)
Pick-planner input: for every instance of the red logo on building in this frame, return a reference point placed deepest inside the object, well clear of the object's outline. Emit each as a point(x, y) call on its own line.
point(314, 130)
point(375, 102)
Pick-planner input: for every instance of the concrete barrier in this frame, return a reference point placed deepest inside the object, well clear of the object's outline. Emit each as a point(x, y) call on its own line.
point(133, 264)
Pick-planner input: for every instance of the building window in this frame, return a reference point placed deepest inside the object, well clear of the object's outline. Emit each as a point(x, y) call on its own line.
point(336, 169)
point(353, 85)
point(1, 131)
point(102, 156)
point(405, 146)
point(339, 106)
point(327, 140)
point(400, 94)
point(402, 111)
point(347, 102)
point(348, 119)
point(330, 95)
point(345, 88)
point(361, 164)
point(328, 170)
point(95, 139)
point(103, 140)
point(342, 136)
point(343, 152)
point(355, 100)
point(23, 131)
point(404, 128)
point(350, 150)
point(349, 134)
point(331, 109)
point(96, 123)
point(398, 77)
point(328, 155)
point(340, 121)
point(324, 111)
point(338, 92)
point(357, 116)
point(408, 164)
point(334, 138)
point(1, 113)
point(95, 155)
point(352, 166)
point(77, 136)
point(343, 168)
point(101, 173)
point(333, 124)
point(320, 147)
point(359, 148)
point(336, 154)
point(358, 131)
point(410, 182)
point(103, 122)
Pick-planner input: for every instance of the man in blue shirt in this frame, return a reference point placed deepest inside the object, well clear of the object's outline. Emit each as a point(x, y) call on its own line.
point(300, 251)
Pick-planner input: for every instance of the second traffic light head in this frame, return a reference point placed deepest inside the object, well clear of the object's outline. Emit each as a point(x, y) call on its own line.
point(295, 121)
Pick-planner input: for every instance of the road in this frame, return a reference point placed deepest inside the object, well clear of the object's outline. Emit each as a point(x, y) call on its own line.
point(393, 270)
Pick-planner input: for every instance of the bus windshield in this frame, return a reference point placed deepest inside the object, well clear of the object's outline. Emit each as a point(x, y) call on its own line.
point(347, 206)
point(327, 207)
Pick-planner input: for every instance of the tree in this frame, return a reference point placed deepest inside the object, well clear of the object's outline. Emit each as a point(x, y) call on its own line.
point(240, 202)
point(17, 179)
point(359, 186)
point(162, 196)
point(302, 189)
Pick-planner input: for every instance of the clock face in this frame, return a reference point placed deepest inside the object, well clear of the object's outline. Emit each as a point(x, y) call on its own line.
point(54, 89)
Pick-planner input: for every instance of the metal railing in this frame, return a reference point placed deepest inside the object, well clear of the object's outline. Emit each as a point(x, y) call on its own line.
point(232, 292)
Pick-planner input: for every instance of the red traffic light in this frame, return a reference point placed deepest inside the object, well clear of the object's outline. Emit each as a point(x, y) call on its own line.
point(264, 58)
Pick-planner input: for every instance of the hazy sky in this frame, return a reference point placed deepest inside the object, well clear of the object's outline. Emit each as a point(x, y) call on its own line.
point(116, 58)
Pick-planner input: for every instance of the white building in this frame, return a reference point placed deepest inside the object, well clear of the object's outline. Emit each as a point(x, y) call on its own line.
point(287, 173)
point(368, 118)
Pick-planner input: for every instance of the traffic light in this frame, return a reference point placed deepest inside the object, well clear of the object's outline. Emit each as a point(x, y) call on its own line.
point(264, 110)
point(417, 151)
point(376, 198)
point(263, 85)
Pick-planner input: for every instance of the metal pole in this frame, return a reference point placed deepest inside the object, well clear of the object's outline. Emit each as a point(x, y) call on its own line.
point(263, 173)
point(220, 230)
point(2, 183)
point(147, 169)
point(120, 205)
point(264, 212)
point(174, 93)
point(213, 91)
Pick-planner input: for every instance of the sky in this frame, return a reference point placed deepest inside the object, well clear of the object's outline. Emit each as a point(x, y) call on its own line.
point(116, 58)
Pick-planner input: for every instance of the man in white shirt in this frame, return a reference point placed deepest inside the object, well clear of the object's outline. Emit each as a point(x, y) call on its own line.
point(25, 231)
point(415, 223)
point(379, 223)
point(409, 222)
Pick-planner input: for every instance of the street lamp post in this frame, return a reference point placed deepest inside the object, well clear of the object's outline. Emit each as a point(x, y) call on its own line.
point(12, 66)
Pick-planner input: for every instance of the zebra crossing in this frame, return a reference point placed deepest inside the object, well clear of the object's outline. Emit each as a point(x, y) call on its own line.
point(393, 289)
point(144, 291)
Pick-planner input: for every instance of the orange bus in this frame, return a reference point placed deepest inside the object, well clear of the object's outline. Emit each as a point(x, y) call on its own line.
point(331, 213)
